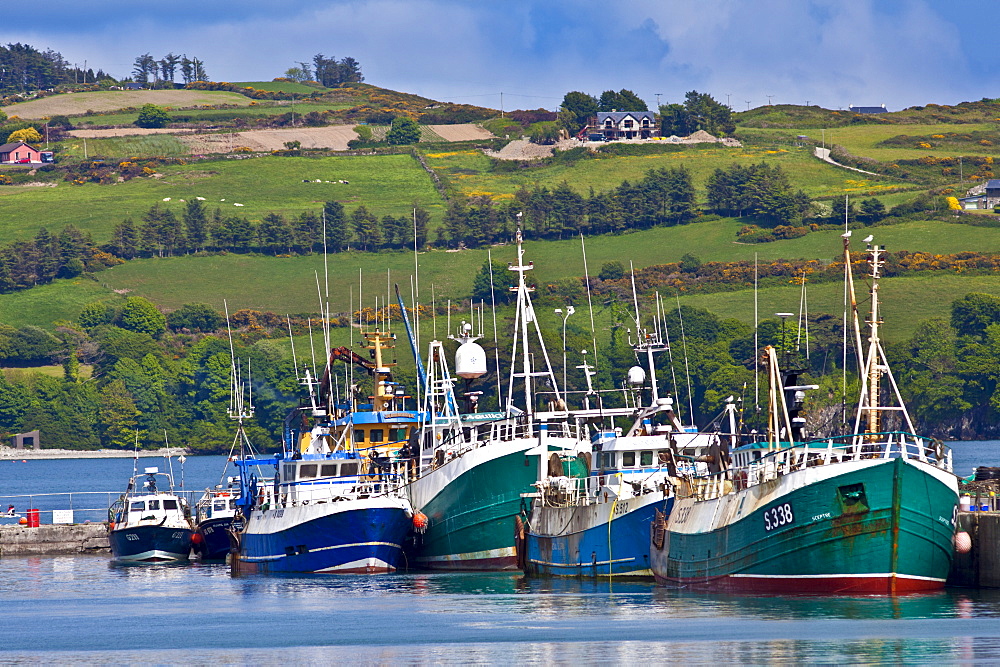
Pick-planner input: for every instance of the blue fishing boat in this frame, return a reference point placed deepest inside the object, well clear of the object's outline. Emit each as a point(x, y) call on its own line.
point(214, 514)
point(147, 525)
point(334, 500)
point(591, 513)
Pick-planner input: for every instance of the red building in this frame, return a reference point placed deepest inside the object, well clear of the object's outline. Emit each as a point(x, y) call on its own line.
point(19, 153)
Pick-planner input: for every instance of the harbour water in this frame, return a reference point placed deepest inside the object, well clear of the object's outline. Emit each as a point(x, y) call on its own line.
point(83, 610)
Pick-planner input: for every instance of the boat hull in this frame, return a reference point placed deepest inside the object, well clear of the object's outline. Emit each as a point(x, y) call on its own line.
point(150, 544)
point(878, 526)
point(470, 503)
point(602, 540)
point(213, 541)
point(363, 536)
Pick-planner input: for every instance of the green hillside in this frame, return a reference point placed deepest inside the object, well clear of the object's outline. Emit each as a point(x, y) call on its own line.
point(386, 184)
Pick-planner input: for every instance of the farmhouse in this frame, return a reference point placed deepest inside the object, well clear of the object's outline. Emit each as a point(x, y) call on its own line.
point(623, 125)
point(19, 153)
point(984, 195)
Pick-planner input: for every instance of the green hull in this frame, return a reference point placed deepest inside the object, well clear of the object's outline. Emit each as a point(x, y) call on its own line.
point(471, 513)
point(879, 526)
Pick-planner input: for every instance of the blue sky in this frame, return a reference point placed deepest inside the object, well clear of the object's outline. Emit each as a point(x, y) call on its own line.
point(828, 52)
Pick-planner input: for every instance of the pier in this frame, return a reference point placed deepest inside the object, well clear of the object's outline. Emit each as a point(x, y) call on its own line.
point(54, 540)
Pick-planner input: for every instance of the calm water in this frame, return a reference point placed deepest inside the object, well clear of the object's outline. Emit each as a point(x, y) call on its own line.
point(81, 609)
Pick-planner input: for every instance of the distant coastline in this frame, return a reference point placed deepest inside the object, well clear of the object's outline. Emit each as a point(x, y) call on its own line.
point(10, 453)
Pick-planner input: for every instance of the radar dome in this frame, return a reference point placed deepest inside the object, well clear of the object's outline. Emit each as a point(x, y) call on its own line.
point(470, 361)
point(636, 376)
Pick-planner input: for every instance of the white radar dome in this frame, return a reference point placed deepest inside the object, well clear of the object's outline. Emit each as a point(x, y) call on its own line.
point(470, 361)
point(636, 376)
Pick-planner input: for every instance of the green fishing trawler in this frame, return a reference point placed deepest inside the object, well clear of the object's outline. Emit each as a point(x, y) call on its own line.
point(872, 512)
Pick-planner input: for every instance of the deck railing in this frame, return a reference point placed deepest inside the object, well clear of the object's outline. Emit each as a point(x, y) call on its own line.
point(826, 451)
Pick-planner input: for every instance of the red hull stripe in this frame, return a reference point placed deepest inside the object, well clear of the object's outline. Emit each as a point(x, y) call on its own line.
point(871, 584)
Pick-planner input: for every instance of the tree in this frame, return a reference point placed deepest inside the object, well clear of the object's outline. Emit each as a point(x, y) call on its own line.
point(168, 66)
point(366, 229)
point(576, 111)
point(297, 74)
point(151, 115)
point(141, 316)
point(613, 270)
point(195, 317)
point(275, 234)
point(338, 234)
point(195, 224)
point(973, 313)
point(623, 100)
point(144, 66)
point(546, 132)
point(872, 211)
point(404, 130)
point(95, 314)
point(27, 135)
point(117, 417)
point(500, 282)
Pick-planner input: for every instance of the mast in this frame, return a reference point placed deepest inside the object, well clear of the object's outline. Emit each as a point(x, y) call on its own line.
point(525, 316)
point(876, 365)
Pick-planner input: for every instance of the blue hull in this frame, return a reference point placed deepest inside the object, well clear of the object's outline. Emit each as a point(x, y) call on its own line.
point(589, 552)
point(214, 534)
point(366, 540)
point(150, 544)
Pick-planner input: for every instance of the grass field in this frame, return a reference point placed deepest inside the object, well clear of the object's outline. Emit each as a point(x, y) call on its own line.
point(863, 140)
point(386, 184)
point(905, 301)
point(259, 110)
point(286, 284)
point(145, 146)
point(282, 86)
point(469, 171)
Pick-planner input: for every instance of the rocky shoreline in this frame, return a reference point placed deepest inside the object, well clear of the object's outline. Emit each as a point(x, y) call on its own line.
point(10, 453)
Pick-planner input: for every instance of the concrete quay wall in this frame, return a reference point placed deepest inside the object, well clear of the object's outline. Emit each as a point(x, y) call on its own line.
point(54, 540)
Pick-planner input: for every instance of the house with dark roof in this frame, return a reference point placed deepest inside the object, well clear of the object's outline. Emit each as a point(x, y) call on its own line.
point(624, 125)
point(19, 152)
point(982, 196)
point(854, 109)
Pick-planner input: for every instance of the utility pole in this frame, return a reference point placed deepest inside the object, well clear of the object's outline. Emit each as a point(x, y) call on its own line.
point(501, 104)
point(727, 100)
point(658, 100)
point(769, 99)
point(748, 104)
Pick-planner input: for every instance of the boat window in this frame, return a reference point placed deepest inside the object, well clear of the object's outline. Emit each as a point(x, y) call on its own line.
point(376, 435)
point(397, 434)
point(628, 459)
point(219, 505)
point(348, 469)
point(232, 503)
point(328, 470)
point(307, 471)
point(169, 504)
point(153, 504)
point(359, 435)
point(289, 472)
point(609, 460)
point(645, 458)
point(137, 506)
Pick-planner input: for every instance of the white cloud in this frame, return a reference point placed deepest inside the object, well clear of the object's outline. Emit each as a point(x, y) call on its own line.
point(900, 52)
